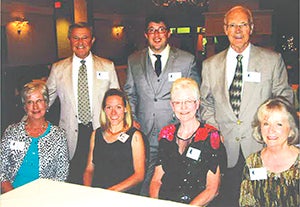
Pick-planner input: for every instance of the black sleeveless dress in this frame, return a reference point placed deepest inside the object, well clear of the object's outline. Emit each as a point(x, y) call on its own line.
point(113, 161)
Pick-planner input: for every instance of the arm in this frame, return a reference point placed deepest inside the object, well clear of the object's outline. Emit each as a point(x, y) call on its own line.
point(139, 160)
point(207, 109)
point(156, 182)
point(89, 170)
point(51, 84)
point(63, 158)
point(212, 187)
point(195, 72)
point(114, 78)
point(280, 81)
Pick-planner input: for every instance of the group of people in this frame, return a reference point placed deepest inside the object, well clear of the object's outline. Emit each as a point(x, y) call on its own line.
point(168, 135)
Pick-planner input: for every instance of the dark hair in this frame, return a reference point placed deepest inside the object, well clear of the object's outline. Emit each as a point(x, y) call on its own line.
point(80, 25)
point(157, 18)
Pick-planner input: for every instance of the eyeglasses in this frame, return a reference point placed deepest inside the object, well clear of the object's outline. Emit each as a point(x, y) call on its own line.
point(187, 103)
point(39, 101)
point(160, 30)
point(235, 26)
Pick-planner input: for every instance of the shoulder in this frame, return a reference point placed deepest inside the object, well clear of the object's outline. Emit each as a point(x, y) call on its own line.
point(266, 52)
point(254, 160)
point(102, 60)
point(15, 127)
point(208, 132)
point(167, 132)
point(216, 58)
point(62, 63)
point(137, 54)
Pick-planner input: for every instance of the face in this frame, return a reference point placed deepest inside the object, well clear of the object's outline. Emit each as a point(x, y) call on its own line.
point(184, 105)
point(238, 30)
point(81, 41)
point(35, 105)
point(115, 110)
point(157, 36)
point(275, 128)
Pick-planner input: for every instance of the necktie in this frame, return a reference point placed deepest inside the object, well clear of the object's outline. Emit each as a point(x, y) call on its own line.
point(157, 65)
point(235, 89)
point(84, 112)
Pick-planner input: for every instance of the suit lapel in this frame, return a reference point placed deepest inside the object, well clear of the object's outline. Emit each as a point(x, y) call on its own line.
point(68, 79)
point(249, 86)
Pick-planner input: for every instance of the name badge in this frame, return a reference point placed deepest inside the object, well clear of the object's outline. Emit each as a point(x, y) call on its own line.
point(258, 173)
point(253, 77)
point(193, 153)
point(16, 145)
point(174, 76)
point(123, 137)
point(102, 75)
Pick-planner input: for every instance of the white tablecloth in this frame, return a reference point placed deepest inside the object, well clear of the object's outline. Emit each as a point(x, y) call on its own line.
point(48, 193)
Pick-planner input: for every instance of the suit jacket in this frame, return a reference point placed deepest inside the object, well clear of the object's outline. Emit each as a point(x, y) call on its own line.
point(60, 84)
point(216, 108)
point(149, 95)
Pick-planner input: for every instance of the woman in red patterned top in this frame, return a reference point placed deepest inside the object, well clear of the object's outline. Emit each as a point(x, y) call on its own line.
point(191, 155)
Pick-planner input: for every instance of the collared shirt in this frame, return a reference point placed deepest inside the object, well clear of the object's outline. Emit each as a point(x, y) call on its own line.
point(164, 57)
point(89, 65)
point(231, 62)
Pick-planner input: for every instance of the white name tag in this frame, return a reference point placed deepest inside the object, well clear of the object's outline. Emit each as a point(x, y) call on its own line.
point(174, 76)
point(102, 75)
point(193, 153)
point(253, 77)
point(258, 173)
point(123, 137)
point(16, 145)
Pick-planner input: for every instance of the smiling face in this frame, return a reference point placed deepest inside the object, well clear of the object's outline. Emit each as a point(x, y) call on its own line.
point(35, 105)
point(81, 41)
point(184, 104)
point(275, 128)
point(115, 110)
point(238, 28)
point(158, 39)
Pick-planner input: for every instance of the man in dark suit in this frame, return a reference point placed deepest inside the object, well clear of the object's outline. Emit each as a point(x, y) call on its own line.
point(149, 81)
point(63, 82)
point(262, 75)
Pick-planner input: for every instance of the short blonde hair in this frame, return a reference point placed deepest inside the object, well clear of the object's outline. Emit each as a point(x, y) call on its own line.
point(186, 83)
point(128, 116)
point(277, 104)
point(33, 86)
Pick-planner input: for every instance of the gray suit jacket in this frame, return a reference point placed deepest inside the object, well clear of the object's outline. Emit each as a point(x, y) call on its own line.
point(216, 108)
point(149, 96)
point(60, 84)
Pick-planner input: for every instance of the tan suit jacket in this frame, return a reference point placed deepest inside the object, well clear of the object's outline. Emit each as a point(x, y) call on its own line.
point(216, 108)
point(60, 84)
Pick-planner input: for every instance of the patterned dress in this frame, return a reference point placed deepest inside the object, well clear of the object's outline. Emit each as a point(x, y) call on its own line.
point(185, 174)
point(278, 190)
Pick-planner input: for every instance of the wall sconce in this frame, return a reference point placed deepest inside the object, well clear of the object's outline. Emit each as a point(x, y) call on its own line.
point(117, 31)
point(20, 23)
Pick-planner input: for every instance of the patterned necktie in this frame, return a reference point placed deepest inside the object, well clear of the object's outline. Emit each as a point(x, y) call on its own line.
point(84, 111)
point(235, 89)
point(158, 65)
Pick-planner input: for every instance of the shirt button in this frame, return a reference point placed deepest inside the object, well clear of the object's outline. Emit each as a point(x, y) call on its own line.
point(155, 99)
point(237, 139)
point(239, 122)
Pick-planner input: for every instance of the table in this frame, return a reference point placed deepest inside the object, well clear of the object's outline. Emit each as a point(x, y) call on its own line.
point(49, 193)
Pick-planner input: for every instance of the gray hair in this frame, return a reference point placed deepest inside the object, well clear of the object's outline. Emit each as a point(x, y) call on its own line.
point(80, 25)
point(34, 86)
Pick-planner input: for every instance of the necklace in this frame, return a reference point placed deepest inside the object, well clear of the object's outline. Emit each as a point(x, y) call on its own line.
point(114, 133)
point(187, 138)
point(35, 132)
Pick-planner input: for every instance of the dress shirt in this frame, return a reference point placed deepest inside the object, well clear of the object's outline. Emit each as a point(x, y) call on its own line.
point(89, 65)
point(231, 63)
point(164, 57)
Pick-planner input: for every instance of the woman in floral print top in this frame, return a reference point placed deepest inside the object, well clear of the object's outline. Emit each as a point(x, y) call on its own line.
point(191, 155)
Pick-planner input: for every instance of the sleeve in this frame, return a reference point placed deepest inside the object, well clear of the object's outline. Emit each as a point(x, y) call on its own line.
point(195, 72)
point(130, 90)
point(114, 78)
point(280, 80)
point(62, 156)
point(4, 161)
point(246, 190)
point(51, 84)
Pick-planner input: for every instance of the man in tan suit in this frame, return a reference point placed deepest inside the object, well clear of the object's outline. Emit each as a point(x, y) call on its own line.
point(63, 82)
point(263, 76)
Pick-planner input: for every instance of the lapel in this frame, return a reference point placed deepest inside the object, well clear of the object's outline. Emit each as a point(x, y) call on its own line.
point(145, 63)
point(68, 79)
point(249, 87)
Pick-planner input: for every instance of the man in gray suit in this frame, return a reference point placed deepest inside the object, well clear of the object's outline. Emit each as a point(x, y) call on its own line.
point(263, 75)
point(148, 85)
point(63, 81)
